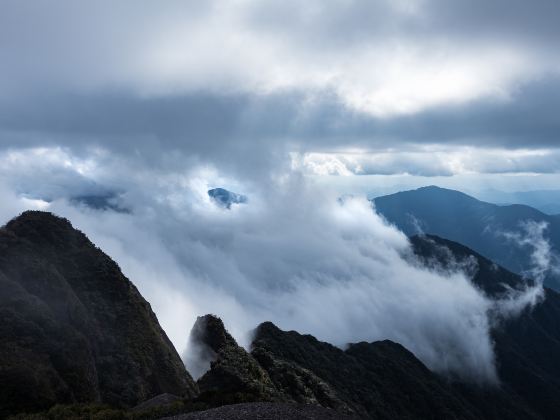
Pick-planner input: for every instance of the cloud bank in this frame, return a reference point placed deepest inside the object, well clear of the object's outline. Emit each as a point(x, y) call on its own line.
point(239, 83)
point(294, 255)
point(155, 104)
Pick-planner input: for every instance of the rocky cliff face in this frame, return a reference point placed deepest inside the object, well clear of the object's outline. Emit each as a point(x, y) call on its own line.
point(380, 380)
point(73, 327)
point(234, 375)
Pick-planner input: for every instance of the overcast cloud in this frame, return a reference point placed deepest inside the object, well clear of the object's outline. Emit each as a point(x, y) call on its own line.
point(215, 79)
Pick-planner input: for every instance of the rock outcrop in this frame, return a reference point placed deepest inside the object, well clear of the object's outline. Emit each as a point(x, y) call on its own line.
point(234, 375)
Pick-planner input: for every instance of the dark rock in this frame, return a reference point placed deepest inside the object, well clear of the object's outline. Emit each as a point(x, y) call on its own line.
point(299, 384)
point(380, 380)
point(234, 375)
point(73, 328)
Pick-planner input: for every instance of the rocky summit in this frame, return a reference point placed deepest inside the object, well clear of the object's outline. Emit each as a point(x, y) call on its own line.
point(73, 328)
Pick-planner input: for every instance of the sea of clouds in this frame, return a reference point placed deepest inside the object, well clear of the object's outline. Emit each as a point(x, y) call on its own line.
point(296, 254)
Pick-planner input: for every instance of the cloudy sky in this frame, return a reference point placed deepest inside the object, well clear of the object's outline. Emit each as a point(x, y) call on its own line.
point(419, 87)
point(293, 104)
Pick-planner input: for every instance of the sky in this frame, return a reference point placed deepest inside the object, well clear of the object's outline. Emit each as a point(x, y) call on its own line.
point(293, 104)
point(419, 87)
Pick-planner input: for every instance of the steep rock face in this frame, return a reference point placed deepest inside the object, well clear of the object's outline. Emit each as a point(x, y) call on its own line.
point(379, 380)
point(299, 384)
point(73, 327)
point(234, 375)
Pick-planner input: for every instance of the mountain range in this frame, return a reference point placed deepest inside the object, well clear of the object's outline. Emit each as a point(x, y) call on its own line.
point(547, 201)
point(507, 234)
point(79, 341)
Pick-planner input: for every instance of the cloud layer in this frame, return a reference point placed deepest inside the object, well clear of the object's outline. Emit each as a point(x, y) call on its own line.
point(294, 254)
point(239, 83)
point(155, 104)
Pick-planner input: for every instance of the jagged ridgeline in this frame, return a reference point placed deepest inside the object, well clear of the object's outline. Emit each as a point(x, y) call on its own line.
point(75, 331)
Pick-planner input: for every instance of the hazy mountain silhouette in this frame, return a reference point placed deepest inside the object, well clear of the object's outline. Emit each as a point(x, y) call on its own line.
point(225, 198)
point(484, 227)
point(547, 201)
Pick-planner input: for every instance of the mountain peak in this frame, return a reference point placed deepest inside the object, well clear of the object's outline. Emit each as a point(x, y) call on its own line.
point(487, 228)
point(225, 198)
point(70, 313)
point(38, 217)
point(210, 330)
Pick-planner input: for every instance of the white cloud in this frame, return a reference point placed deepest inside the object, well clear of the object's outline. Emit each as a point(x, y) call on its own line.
point(431, 161)
point(294, 255)
point(225, 47)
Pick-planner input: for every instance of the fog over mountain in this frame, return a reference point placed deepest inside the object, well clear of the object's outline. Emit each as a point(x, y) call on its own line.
point(222, 152)
point(299, 257)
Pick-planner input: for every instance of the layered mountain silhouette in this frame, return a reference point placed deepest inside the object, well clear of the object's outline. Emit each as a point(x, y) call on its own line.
point(492, 230)
point(225, 198)
point(75, 331)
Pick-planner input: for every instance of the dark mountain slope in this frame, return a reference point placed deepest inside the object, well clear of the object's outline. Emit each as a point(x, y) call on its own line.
point(527, 346)
point(73, 328)
point(380, 380)
point(377, 380)
point(479, 225)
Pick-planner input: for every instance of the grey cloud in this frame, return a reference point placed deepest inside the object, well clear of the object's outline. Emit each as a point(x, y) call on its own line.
point(300, 259)
point(208, 124)
point(77, 77)
point(293, 254)
point(162, 103)
point(345, 23)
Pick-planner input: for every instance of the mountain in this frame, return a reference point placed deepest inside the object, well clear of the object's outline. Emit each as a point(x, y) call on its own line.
point(225, 198)
point(484, 227)
point(378, 380)
point(73, 327)
point(75, 331)
point(547, 201)
point(234, 375)
point(527, 345)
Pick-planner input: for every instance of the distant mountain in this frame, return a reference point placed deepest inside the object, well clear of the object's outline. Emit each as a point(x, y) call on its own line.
point(73, 328)
point(225, 198)
point(484, 227)
point(547, 201)
point(107, 201)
